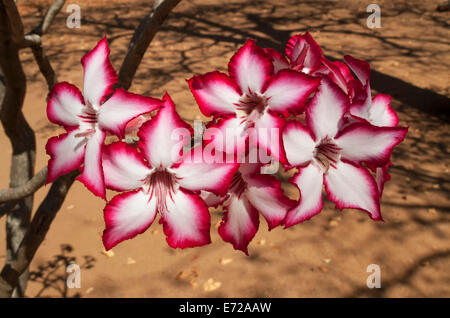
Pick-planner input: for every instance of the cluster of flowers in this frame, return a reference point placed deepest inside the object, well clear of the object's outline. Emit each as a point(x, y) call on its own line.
point(331, 130)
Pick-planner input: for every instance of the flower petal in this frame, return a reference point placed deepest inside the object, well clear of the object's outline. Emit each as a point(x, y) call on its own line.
point(127, 215)
point(268, 135)
point(309, 181)
point(159, 138)
point(99, 75)
point(336, 75)
point(359, 67)
point(65, 104)
point(353, 187)
point(288, 91)
point(381, 177)
point(265, 194)
point(240, 223)
point(66, 154)
point(92, 175)
point(186, 222)
point(298, 143)
point(123, 167)
point(215, 93)
point(250, 67)
point(326, 110)
point(362, 142)
point(279, 61)
point(229, 136)
point(122, 107)
point(211, 199)
point(209, 176)
point(303, 51)
point(381, 112)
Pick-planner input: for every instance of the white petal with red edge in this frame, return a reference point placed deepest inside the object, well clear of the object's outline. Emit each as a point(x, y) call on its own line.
point(309, 181)
point(353, 187)
point(336, 74)
point(65, 105)
point(215, 93)
point(186, 222)
point(298, 143)
point(210, 176)
point(359, 67)
point(122, 107)
point(228, 136)
point(250, 67)
point(326, 110)
point(127, 215)
point(211, 199)
point(265, 194)
point(162, 138)
point(66, 154)
point(304, 48)
point(267, 134)
point(288, 91)
point(279, 61)
point(99, 75)
point(381, 112)
point(123, 167)
point(371, 144)
point(381, 177)
point(240, 223)
point(92, 175)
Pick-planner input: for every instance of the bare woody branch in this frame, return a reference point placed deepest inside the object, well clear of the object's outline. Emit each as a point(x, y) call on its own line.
point(19, 132)
point(142, 38)
point(15, 22)
point(36, 233)
point(49, 16)
point(33, 40)
point(13, 194)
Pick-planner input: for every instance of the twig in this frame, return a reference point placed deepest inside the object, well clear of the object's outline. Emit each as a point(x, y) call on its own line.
point(36, 233)
point(142, 38)
point(49, 16)
point(15, 22)
point(13, 194)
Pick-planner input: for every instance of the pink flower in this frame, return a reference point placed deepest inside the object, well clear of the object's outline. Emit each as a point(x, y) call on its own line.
point(160, 179)
point(88, 117)
point(328, 154)
point(250, 193)
point(251, 97)
point(303, 55)
point(376, 111)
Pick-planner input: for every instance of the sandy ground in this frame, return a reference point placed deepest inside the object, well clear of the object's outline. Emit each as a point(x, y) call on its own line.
point(326, 256)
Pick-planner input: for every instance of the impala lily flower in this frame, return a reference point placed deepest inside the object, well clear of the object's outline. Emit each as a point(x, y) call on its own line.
point(327, 154)
point(250, 193)
point(251, 96)
point(88, 117)
point(303, 55)
point(377, 111)
point(159, 179)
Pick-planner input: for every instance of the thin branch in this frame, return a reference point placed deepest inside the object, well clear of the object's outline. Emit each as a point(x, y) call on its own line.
point(33, 40)
point(36, 233)
point(142, 38)
point(44, 66)
point(49, 16)
point(15, 22)
point(16, 127)
point(13, 194)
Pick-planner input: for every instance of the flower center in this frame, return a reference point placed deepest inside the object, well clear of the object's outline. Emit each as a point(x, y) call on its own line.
point(88, 121)
point(327, 154)
point(250, 106)
point(160, 183)
point(237, 185)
